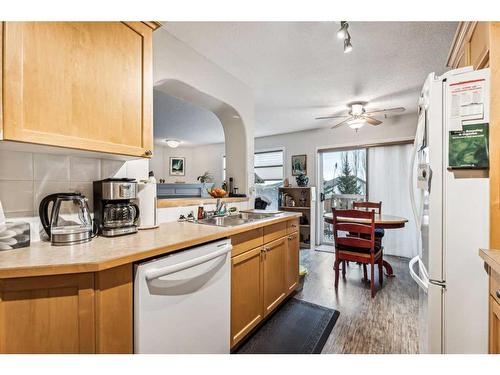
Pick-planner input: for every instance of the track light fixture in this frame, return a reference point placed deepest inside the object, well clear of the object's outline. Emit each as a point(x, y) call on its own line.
point(347, 44)
point(343, 33)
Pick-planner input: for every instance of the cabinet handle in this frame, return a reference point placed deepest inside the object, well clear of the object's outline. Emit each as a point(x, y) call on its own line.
point(290, 238)
point(148, 152)
point(498, 293)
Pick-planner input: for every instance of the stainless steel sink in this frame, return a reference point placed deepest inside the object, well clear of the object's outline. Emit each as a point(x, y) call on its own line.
point(233, 220)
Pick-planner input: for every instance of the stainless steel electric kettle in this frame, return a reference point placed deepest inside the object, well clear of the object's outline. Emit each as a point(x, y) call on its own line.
point(69, 221)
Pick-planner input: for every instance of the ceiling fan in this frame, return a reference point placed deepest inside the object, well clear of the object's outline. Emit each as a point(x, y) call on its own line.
point(358, 116)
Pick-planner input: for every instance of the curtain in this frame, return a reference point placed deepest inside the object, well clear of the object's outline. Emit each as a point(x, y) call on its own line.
point(388, 180)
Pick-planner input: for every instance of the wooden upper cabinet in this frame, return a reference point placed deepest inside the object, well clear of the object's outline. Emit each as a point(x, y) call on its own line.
point(82, 85)
point(470, 46)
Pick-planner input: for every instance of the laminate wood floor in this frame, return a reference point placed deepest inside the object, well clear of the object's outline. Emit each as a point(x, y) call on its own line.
point(387, 323)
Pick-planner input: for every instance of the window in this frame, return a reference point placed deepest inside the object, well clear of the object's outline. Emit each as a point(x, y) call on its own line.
point(269, 174)
point(344, 177)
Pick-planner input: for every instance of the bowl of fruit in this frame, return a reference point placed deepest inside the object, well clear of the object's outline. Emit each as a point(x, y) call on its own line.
point(217, 193)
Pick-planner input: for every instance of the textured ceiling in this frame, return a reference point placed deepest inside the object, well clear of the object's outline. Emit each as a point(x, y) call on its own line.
point(175, 118)
point(298, 70)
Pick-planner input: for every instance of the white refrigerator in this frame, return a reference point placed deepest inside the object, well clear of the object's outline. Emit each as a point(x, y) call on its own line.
point(452, 214)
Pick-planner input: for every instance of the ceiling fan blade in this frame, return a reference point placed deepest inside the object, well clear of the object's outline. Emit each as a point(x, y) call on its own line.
point(328, 117)
point(341, 123)
point(371, 120)
point(385, 111)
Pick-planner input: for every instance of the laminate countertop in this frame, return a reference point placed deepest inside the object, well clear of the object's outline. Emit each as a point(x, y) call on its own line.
point(492, 258)
point(41, 258)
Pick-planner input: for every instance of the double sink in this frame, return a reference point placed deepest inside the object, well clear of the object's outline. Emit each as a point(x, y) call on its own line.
point(239, 219)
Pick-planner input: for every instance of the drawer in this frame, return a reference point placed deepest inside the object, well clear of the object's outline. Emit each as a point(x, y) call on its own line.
point(246, 241)
point(495, 285)
point(274, 231)
point(292, 226)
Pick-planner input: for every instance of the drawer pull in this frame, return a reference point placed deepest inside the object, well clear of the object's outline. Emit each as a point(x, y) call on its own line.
point(498, 293)
point(290, 238)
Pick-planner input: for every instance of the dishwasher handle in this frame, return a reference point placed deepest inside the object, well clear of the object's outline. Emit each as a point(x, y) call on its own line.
point(160, 272)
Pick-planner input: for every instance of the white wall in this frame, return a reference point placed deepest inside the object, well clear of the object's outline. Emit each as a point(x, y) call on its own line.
point(174, 60)
point(199, 159)
point(209, 157)
point(309, 141)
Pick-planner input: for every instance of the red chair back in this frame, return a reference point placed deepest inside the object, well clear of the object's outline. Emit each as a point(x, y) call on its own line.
point(348, 221)
point(369, 205)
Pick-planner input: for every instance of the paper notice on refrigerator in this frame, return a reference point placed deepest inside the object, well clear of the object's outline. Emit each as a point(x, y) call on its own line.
point(467, 102)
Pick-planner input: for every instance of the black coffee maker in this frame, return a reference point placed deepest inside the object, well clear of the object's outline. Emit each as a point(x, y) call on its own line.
point(114, 211)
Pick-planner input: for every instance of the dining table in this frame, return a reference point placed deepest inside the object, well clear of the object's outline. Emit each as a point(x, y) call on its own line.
point(381, 221)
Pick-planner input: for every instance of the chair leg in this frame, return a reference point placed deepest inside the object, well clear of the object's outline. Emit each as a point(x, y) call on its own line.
point(344, 263)
point(372, 279)
point(380, 272)
point(336, 267)
point(365, 273)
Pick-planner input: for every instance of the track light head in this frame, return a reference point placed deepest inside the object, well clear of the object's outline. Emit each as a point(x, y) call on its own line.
point(342, 33)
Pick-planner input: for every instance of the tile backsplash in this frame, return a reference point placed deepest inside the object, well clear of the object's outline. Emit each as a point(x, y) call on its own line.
point(27, 177)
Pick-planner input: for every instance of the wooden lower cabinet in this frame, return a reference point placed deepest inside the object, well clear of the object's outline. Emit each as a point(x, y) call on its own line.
point(274, 274)
point(47, 314)
point(261, 279)
point(292, 262)
point(494, 327)
point(246, 293)
point(74, 313)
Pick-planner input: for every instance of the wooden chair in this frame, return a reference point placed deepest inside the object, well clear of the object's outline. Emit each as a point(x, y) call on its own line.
point(362, 248)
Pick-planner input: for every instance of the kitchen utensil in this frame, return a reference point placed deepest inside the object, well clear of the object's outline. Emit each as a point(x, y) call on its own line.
point(68, 221)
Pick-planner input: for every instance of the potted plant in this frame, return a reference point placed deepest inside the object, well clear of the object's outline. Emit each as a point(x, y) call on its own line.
point(204, 179)
point(302, 179)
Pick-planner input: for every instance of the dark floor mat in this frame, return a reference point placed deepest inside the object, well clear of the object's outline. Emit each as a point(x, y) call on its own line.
point(298, 327)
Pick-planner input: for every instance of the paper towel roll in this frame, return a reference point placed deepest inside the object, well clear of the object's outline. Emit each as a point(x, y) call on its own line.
point(2, 216)
point(146, 199)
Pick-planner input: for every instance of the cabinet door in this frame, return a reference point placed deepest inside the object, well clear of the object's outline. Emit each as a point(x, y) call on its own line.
point(494, 324)
point(274, 273)
point(82, 85)
point(246, 293)
point(47, 314)
point(292, 262)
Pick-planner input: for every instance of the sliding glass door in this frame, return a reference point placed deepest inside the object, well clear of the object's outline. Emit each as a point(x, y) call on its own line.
point(342, 181)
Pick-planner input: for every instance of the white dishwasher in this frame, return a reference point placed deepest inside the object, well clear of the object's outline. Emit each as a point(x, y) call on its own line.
point(182, 301)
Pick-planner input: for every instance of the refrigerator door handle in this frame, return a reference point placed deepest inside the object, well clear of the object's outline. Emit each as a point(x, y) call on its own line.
point(423, 283)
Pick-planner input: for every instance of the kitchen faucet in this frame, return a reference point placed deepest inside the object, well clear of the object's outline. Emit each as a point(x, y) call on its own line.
point(220, 208)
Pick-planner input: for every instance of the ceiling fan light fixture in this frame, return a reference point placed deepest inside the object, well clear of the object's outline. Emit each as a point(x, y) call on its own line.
point(342, 33)
point(356, 123)
point(173, 143)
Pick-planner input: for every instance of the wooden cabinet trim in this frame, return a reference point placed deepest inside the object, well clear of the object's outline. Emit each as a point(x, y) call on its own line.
point(292, 226)
point(114, 310)
point(275, 231)
point(248, 240)
point(494, 327)
point(494, 285)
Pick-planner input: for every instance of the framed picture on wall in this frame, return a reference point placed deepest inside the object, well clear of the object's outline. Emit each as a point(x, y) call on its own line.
point(299, 164)
point(177, 166)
